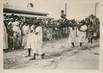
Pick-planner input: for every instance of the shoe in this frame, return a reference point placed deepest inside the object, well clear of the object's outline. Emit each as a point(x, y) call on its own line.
point(28, 56)
point(80, 44)
point(29, 52)
point(34, 57)
point(73, 44)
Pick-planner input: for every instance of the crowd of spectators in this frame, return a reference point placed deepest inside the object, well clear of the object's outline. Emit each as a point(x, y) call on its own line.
point(52, 29)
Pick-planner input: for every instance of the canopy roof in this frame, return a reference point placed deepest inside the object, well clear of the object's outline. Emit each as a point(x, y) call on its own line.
point(9, 10)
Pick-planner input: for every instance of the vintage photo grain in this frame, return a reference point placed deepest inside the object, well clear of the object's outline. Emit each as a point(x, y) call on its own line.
point(51, 34)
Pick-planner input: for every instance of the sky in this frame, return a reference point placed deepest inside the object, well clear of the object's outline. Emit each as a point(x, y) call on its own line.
point(77, 9)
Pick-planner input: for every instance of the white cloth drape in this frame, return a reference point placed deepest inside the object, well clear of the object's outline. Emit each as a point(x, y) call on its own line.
point(5, 38)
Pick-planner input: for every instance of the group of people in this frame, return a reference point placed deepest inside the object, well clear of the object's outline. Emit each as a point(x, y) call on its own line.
point(30, 36)
point(33, 39)
point(77, 35)
point(23, 35)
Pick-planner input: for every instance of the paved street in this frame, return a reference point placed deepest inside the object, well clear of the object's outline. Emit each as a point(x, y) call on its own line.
point(58, 56)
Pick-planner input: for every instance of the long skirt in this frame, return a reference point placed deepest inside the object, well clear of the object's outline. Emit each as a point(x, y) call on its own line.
point(33, 43)
point(24, 41)
point(81, 36)
point(71, 39)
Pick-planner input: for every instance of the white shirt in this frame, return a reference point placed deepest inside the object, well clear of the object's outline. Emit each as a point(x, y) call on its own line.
point(15, 27)
point(25, 29)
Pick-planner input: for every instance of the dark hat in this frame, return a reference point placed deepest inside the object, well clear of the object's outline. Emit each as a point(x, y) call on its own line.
point(62, 10)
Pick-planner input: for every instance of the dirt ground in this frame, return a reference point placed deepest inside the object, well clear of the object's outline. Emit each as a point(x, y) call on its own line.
point(58, 56)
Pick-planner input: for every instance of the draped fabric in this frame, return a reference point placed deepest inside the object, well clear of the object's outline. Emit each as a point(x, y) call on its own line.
point(5, 38)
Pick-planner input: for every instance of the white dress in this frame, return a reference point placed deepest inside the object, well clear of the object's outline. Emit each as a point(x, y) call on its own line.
point(81, 34)
point(34, 41)
point(31, 41)
point(39, 39)
point(72, 36)
point(25, 31)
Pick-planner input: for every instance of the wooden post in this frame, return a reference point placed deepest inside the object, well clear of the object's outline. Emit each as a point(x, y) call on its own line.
point(66, 9)
point(96, 5)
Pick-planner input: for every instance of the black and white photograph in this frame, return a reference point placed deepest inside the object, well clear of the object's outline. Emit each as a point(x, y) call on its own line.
point(51, 34)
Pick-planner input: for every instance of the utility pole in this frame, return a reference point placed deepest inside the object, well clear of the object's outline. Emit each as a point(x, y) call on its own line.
point(96, 6)
point(66, 9)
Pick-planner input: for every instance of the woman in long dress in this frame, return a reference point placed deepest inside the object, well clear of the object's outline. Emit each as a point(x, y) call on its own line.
point(82, 34)
point(25, 30)
point(72, 36)
point(28, 47)
point(31, 42)
point(36, 41)
point(39, 39)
